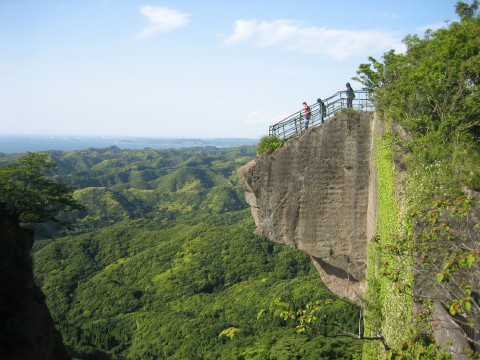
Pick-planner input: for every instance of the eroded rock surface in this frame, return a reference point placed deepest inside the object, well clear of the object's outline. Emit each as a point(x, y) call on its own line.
point(317, 194)
point(27, 330)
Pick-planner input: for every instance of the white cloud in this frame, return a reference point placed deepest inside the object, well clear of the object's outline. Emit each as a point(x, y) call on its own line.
point(161, 20)
point(337, 44)
point(243, 30)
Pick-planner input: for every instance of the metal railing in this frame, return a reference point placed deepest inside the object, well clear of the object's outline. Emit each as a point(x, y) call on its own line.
point(296, 123)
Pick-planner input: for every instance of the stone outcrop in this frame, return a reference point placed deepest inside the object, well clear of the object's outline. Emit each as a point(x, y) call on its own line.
point(27, 331)
point(317, 194)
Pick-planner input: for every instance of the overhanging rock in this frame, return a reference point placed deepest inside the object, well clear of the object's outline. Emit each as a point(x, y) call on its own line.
point(317, 194)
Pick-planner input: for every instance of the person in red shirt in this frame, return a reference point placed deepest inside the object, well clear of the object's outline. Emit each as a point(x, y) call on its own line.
point(306, 114)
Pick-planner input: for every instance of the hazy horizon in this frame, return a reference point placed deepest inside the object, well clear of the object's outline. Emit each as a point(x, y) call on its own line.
point(120, 136)
point(10, 144)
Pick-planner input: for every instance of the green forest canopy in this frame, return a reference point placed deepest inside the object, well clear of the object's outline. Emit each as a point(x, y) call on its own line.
point(163, 263)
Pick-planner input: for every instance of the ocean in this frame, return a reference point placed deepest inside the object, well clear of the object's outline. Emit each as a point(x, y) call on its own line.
point(22, 144)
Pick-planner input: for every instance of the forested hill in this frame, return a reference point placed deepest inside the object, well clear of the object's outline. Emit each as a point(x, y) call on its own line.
point(163, 184)
point(163, 264)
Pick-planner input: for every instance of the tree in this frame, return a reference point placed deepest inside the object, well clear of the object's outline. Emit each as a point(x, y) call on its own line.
point(434, 87)
point(29, 196)
point(466, 11)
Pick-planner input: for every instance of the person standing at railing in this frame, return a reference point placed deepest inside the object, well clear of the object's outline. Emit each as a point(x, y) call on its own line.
point(322, 109)
point(306, 113)
point(350, 96)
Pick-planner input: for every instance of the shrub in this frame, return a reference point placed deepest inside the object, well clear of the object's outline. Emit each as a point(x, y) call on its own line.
point(348, 111)
point(269, 144)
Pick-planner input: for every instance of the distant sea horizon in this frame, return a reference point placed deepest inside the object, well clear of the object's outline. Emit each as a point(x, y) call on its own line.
point(10, 144)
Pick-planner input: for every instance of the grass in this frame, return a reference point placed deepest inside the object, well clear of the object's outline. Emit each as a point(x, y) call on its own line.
point(388, 298)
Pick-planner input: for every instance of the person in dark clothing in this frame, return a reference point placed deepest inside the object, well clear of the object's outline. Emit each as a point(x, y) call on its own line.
point(350, 96)
point(322, 109)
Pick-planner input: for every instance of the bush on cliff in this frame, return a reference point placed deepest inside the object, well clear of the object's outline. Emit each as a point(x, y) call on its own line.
point(269, 144)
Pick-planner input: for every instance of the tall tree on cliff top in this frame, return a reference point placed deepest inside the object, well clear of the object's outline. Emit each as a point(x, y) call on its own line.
point(434, 87)
point(29, 197)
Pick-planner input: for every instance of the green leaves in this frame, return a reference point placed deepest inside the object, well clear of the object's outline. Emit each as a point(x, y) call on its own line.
point(457, 260)
point(441, 277)
point(466, 11)
point(433, 87)
point(29, 196)
point(229, 332)
point(460, 306)
point(269, 144)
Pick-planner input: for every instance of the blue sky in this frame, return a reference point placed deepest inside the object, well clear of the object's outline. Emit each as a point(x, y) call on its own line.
point(188, 68)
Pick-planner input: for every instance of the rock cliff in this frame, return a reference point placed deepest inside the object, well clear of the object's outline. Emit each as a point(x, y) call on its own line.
point(317, 194)
point(26, 326)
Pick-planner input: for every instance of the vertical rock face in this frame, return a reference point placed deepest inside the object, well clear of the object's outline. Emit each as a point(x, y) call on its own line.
point(316, 194)
point(26, 326)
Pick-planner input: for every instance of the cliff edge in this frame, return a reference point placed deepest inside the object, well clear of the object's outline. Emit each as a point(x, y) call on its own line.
point(27, 331)
point(317, 193)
